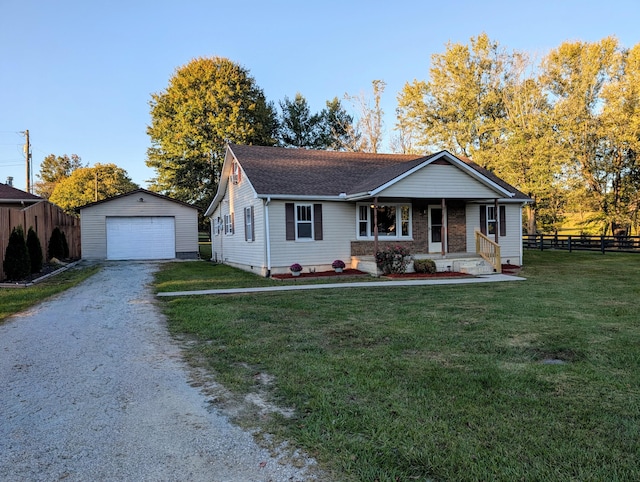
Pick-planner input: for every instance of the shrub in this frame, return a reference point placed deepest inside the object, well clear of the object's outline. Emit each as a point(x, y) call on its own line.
point(35, 251)
point(424, 266)
point(338, 263)
point(58, 247)
point(295, 267)
point(16, 263)
point(393, 259)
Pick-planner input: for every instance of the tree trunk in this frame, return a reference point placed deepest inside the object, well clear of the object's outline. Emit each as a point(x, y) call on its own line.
point(531, 219)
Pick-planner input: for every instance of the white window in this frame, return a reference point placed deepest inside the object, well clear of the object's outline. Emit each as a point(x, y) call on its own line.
point(217, 226)
point(248, 224)
point(394, 221)
point(491, 220)
point(304, 221)
point(235, 173)
point(228, 223)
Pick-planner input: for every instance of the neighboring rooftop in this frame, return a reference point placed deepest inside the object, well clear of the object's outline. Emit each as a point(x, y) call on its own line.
point(11, 194)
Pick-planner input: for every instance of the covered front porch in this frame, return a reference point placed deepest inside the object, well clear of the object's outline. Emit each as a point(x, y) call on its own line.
point(452, 232)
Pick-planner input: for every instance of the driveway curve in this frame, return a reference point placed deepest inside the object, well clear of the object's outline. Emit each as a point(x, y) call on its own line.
point(92, 387)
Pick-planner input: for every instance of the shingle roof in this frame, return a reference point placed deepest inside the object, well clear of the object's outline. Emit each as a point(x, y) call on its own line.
point(10, 193)
point(305, 172)
point(277, 170)
point(134, 192)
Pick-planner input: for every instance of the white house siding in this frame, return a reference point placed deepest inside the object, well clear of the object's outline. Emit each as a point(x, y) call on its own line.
point(439, 181)
point(93, 222)
point(511, 244)
point(232, 248)
point(338, 230)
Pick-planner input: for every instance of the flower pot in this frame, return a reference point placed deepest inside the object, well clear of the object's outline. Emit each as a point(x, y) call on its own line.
point(338, 270)
point(295, 273)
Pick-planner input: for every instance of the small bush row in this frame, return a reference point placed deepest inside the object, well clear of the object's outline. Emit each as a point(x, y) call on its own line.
point(23, 257)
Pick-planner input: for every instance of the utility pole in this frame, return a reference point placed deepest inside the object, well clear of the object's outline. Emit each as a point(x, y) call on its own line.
point(27, 153)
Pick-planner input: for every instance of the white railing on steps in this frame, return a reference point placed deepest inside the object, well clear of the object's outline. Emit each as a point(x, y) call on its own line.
point(489, 250)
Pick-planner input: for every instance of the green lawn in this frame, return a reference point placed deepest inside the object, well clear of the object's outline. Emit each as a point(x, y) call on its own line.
point(14, 300)
point(535, 380)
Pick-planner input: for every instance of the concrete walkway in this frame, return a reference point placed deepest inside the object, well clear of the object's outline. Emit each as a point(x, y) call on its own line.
point(491, 278)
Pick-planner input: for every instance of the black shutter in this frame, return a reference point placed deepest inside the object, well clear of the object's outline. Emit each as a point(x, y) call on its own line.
point(233, 223)
point(253, 226)
point(290, 221)
point(483, 219)
point(503, 221)
point(246, 231)
point(317, 222)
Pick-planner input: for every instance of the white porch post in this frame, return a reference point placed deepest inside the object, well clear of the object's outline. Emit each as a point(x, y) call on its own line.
point(443, 228)
point(375, 226)
point(497, 216)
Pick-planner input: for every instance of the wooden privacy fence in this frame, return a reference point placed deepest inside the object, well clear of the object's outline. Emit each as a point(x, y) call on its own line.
point(43, 217)
point(620, 244)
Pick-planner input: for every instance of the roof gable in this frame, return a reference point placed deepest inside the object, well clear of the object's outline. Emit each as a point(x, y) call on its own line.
point(137, 192)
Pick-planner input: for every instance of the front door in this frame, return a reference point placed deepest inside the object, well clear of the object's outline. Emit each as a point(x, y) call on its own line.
point(436, 228)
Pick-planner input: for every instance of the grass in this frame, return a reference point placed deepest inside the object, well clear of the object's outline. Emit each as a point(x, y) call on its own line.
point(438, 383)
point(15, 300)
point(204, 249)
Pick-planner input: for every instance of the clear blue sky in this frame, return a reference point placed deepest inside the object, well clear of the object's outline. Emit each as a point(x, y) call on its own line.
point(79, 74)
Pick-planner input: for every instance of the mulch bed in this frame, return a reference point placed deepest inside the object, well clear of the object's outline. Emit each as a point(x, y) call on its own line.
point(506, 269)
point(511, 269)
point(322, 274)
point(47, 268)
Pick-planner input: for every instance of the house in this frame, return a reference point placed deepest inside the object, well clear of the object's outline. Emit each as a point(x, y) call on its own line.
point(276, 206)
point(139, 225)
point(10, 197)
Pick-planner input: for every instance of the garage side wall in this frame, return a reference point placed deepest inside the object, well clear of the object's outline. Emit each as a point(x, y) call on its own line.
point(93, 223)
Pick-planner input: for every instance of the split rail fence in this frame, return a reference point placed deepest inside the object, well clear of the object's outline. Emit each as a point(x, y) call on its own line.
point(604, 244)
point(43, 217)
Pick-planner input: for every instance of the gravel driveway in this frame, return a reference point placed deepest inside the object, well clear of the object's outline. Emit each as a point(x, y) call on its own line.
point(93, 388)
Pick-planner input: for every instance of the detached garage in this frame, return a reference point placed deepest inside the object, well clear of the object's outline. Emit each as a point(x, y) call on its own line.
point(139, 225)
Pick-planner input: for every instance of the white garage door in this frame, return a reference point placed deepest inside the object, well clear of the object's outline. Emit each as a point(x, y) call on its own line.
point(141, 238)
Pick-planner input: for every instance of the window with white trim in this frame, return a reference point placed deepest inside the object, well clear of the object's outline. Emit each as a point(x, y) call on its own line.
point(304, 221)
point(228, 223)
point(217, 226)
point(249, 234)
point(394, 221)
point(491, 220)
point(235, 173)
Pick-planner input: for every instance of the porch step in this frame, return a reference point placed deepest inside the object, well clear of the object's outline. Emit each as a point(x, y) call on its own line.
point(472, 266)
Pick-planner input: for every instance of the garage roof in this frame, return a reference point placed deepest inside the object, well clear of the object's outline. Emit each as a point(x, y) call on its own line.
point(138, 191)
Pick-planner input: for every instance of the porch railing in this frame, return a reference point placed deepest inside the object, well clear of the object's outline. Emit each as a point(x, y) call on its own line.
point(489, 250)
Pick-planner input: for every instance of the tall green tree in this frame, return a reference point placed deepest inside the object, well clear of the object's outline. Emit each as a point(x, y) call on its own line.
point(576, 74)
point(338, 132)
point(458, 108)
point(54, 169)
point(619, 151)
point(208, 102)
point(298, 127)
point(527, 153)
point(90, 184)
